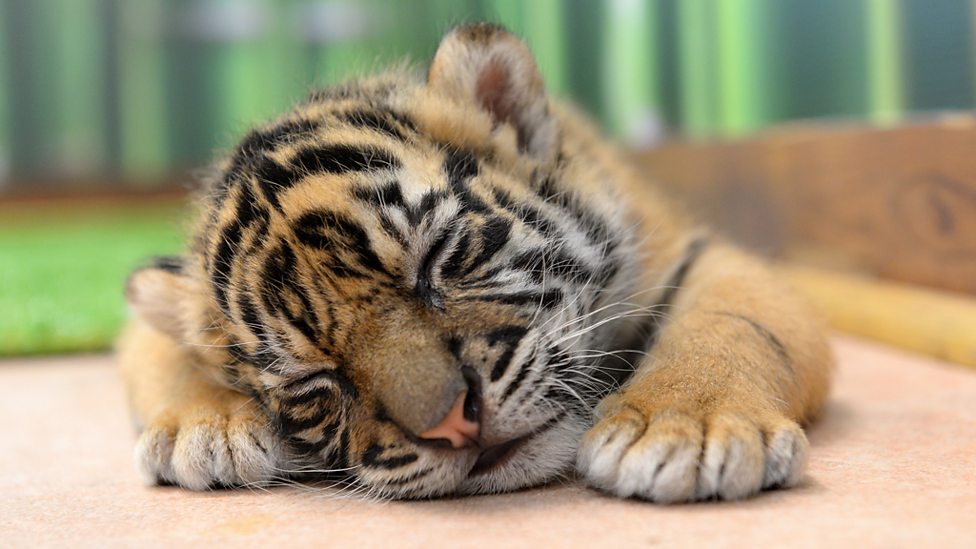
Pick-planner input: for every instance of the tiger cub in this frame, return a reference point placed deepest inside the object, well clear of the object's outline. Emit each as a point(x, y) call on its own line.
point(457, 286)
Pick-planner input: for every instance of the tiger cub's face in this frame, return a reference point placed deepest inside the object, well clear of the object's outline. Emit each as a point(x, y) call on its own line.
point(416, 279)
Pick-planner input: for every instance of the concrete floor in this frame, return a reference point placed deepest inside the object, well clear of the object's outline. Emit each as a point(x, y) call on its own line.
point(893, 464)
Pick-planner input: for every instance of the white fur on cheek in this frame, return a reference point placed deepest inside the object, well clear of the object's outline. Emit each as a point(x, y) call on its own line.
point(545, 456)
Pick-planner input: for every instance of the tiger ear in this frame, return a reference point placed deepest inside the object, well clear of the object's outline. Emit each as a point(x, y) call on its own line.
point(493, 68)
point(156, 294)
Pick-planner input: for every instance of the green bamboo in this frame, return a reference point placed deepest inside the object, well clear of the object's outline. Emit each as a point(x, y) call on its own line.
point(408, 33)
point(510, 13)
point(79, 80)
point(544, 30)
point(142, 84)
point(334, 59)
point(247, 77)
point(695, 39)
point(740, 49)
point(448, 13)
point(340, 60)
point(631, 67)
point(938, 42)
point(284, 57)
point(885, 99)
point(5, 98)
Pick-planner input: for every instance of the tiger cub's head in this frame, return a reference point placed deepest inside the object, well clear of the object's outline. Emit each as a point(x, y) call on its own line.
point(416, 279)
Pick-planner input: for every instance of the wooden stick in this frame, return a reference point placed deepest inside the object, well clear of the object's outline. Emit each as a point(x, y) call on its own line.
point(935, 323)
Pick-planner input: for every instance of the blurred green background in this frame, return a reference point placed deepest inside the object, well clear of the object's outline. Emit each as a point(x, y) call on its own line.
point(140, 88)
point(116, 96)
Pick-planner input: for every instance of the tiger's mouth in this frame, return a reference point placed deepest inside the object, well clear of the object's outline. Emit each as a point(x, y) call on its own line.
point(496, 456)
point(493, 457)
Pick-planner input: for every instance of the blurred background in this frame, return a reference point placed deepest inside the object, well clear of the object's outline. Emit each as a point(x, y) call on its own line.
point(130, 92)
point(107, 106)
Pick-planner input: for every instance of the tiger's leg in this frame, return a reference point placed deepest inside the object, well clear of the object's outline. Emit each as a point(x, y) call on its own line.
point(194, 432)
point(713, 410)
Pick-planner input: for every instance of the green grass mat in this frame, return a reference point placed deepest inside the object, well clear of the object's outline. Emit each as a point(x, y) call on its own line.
point(62, 270)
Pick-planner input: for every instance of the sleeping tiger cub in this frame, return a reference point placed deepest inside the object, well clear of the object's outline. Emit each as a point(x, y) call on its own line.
point(457, 286)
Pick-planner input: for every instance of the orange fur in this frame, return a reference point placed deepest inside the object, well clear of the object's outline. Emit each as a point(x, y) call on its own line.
point(713, 410)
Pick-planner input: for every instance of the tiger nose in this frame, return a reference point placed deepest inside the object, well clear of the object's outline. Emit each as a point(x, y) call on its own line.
point(462, 423)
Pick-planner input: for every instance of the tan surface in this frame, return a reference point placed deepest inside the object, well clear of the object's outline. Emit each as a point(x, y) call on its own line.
point(893, 464)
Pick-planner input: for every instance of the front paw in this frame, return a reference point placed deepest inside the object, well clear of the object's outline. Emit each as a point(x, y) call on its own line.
point(201, 449)
point(671, 456)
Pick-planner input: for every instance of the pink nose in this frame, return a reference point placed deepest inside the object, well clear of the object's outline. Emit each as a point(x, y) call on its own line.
point(455, 427)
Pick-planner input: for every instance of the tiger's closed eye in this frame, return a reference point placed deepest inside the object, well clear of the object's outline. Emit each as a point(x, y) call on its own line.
point(424, 287)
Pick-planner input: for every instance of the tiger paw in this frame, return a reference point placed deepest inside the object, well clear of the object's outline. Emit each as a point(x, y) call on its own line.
point(671, 456)
point(207, 449)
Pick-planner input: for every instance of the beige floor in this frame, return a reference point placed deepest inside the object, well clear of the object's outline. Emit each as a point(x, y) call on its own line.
point(893, 464)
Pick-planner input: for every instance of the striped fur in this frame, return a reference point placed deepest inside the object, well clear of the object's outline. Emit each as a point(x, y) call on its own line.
point(356, 255)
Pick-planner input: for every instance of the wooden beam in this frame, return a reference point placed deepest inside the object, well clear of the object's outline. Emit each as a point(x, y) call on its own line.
point(895, 202)
point(938, 324)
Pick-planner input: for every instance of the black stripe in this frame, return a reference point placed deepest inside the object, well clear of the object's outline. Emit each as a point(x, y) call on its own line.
point(333, 159)
point(661, 308)
point(309, 447)
point(539, 263)
point(461, 166)
point(510, 336)
point(547, 299)
point(532, 263)
point(222, 262)
point(169, 263)
point(304, 320)
point(259, 228)
point(454, 347)
point(278, 279)
point(342, 452)
point(528, 214)
point(677, 279)
point(390, 228)
point(453, 265)
point(596, 230)
point(520, 377)
point(317, 394)
point(767, 334)
point(381, 120)
point(409, 478)
point(259, 143)
point(428, 202)
point(337, 454)
point(340, 159)
point(262, 357)
point(388, 194)
point(371, 458)
point(272, 178)
point(425, 289)
point(278, 273)
point(569, 266)
point(285, 424)
point(494, 233)
point(346, 386)
point(330, 231)
point(327, 312)
point(267, 140)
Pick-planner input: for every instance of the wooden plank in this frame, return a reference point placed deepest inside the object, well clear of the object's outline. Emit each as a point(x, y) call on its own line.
point(896, 202)
point(938, 324)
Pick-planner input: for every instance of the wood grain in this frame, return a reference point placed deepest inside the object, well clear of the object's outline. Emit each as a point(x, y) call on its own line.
point(896, 202)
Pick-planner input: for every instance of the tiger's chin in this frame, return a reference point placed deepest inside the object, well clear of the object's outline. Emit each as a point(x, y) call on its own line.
point(539, 459)
point(531, 461)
